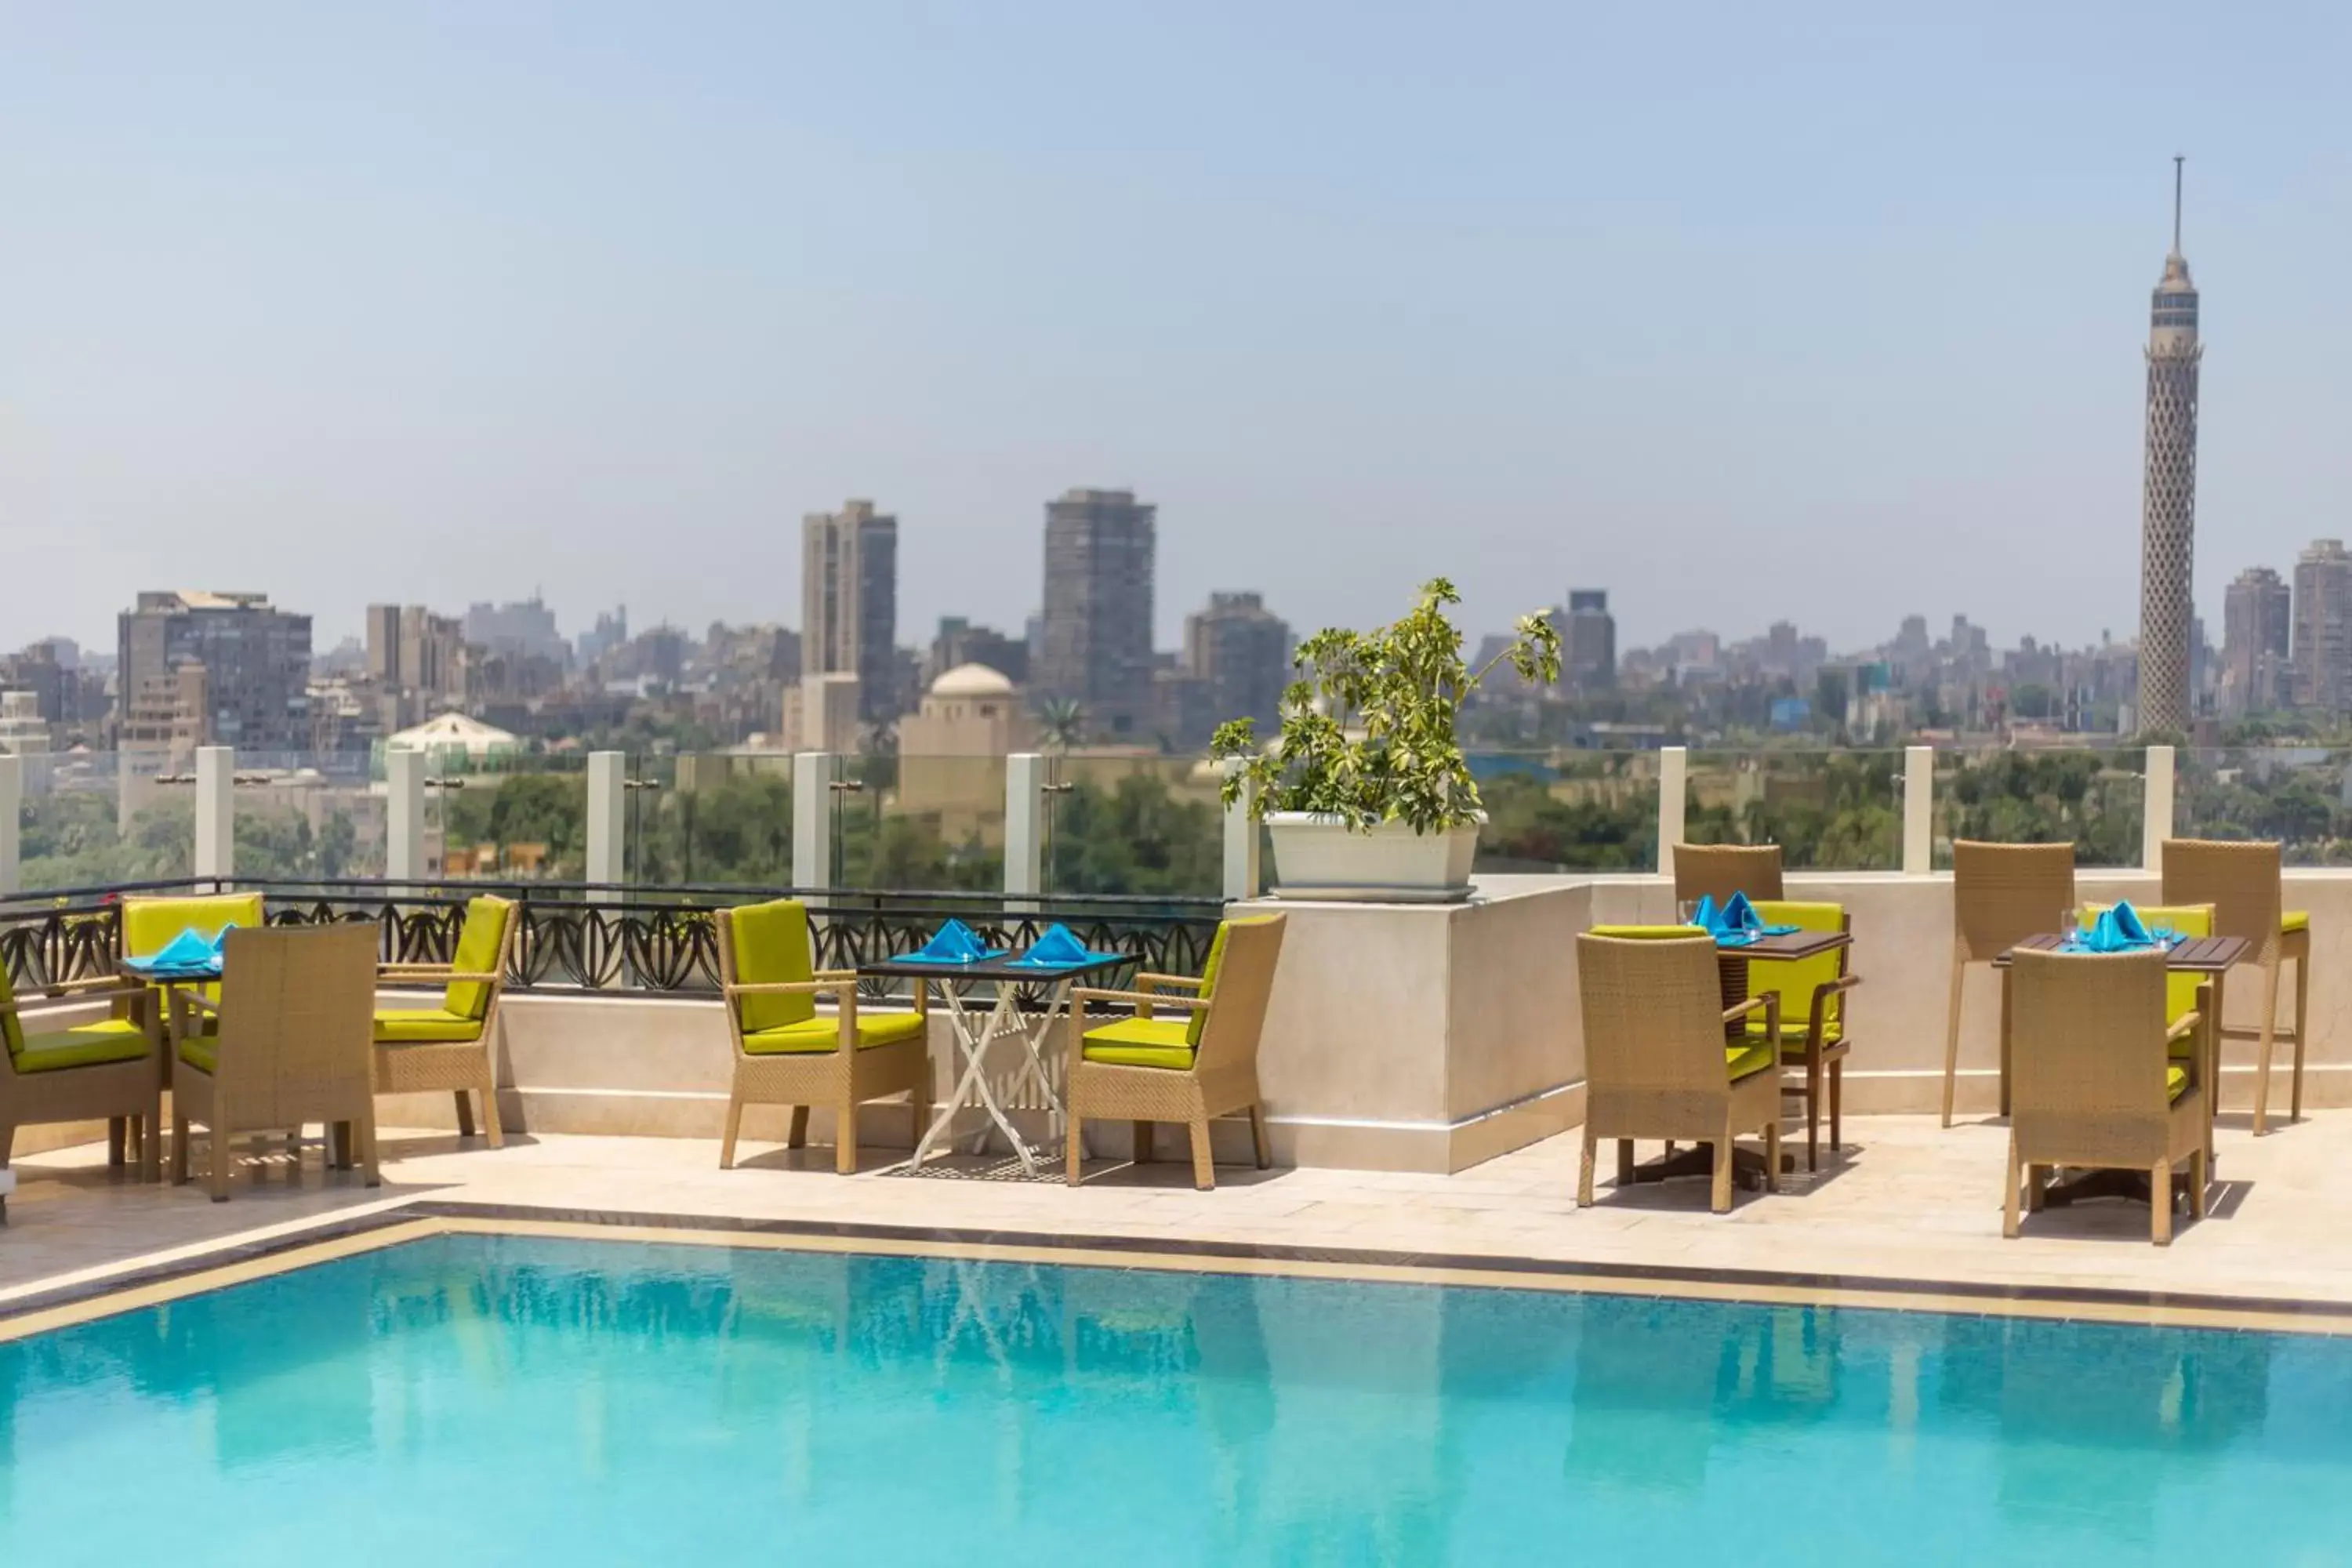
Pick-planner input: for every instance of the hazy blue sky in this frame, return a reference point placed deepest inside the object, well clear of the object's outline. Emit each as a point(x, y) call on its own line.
point(1832, 312)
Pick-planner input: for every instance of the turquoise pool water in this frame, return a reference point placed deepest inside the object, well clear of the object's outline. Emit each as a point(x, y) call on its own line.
point(503, 1400)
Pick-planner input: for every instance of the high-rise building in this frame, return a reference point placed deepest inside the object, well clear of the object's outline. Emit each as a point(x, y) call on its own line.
point(525, 627)
point(960, 643)
point(849, 602)
point(1241, 651)
point(2257, 631)
point(2168, 495)
point(2323, 628)
point(383, 645)
point(1095, 648)
point(1589, 659)
point(256, 659)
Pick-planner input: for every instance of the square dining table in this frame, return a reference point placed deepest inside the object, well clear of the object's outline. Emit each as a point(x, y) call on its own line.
point(1006, 1020)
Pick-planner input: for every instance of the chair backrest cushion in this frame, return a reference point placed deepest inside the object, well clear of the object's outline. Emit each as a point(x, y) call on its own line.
point(1244, 977)
point(2003, 893)
point(148, 923)
point(2087, 1033)
point(2188, 920)
point(770, 946)
point(1209, 968)
point(481, 944)
point(11, 1030)
point(1653, 1007)
point(1797, 979)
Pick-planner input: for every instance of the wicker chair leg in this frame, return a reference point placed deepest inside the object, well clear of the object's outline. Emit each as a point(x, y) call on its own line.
point(1072, 1156)
point(1143, 1142)
point(490, 1122)
point(1813, 1111)
point(1584, 1170)
point(2014, 1177)
point(2159, 1202)
point(2200, 1175)
point(2302, 1006)
point(2263, 1065)
point(1772, 1153)
point(734, 1126)
point(179, 1145)
point(1205, 1174)
point(1625, 1160)
point(1259, 1145)
point(1952, 1037)
point(465, 1114)
point(796, 1135)
point(1837, 1106)
point(150, 1147)
point(1724, 1161)
point(117, 1139)
point(844, 1139)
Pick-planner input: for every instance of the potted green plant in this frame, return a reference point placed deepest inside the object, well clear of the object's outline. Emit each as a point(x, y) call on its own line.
point(1365, 792)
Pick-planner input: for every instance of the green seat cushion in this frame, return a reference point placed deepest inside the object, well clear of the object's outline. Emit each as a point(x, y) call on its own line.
point(1796, 979)
point(812, 1037)
point(771, 948)
point(479, 941)
point(2188, 920)
point(84, 1045)
point(1747, 1061)
point(1140, 1043)
point(2176, 1082)
point(202, 1053)
point(419, 1026)
point(2295, 919)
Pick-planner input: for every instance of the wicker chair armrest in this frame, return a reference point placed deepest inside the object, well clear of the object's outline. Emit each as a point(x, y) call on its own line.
point(411, 971)
point(196, 1004)
point(1769, 1002)
point(2183, 1027)
point(461, 976)
point(86, 991)
point(788, 987)
point(1080, 997)
point(1819, 1018)
point(1148, 981)
point(100, 984)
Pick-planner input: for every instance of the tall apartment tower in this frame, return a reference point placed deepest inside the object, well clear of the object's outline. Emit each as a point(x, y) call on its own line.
point(255, 659)
point(1096, 644)
point(1240, 650)
point(1591, 636)
point(2167, 528)
point(2257, 631)
point(2323, 628)
point(849, 603)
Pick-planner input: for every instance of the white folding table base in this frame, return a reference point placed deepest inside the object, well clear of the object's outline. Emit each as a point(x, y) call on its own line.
point(1002, 1019)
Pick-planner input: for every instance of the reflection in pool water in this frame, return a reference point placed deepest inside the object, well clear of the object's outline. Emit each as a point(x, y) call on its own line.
point(477, 1399)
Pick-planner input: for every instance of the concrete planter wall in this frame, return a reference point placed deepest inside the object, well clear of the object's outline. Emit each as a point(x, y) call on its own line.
point(1317, 856)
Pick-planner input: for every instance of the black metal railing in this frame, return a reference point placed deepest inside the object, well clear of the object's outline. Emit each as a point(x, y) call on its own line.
point(601, 936)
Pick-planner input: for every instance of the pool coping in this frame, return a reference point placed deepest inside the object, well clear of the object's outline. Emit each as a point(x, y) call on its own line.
point(236, 1262)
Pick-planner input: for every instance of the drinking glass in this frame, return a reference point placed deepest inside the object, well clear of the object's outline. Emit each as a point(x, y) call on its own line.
point(2069, 925)
point(1686, 911)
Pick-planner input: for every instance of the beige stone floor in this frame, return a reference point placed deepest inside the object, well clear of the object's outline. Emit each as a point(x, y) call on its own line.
point(1908, 1201)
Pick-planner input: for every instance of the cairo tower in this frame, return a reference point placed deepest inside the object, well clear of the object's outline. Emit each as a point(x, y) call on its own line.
point(2168, 527)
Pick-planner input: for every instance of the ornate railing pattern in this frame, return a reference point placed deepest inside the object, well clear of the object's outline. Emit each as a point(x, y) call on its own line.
point(580, 936)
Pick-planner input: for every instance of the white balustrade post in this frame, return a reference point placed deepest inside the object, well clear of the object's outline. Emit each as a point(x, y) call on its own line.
point(1918, 810)
point(608, 779)
point(813, 777)
point(2155, 819)
point(217, 811)
point(1242, 872)
point(404, 816)
point(12, 815)
point(1024, 824)
point(1674, 800)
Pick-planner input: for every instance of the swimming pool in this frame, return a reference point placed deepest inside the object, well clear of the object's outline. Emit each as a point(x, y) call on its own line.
point(485, 1399)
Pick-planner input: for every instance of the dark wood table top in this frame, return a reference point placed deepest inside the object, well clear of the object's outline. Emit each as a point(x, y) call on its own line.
point(2196, 955)
point(1791, 945)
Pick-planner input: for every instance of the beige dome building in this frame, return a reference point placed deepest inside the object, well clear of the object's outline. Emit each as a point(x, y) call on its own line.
point(951, 754)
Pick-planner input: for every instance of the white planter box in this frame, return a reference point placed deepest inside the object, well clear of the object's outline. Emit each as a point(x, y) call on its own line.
point(1317, 856)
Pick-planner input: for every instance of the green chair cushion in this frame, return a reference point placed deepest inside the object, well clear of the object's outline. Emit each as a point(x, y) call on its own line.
point(2295, 919)
point(2176, 1082)
point(12, 1033)
point(1747, 1061)
point(771, 948)
point(1140, 1043)
point(2188, 920)
point(420, 1026)
point(148, 923)
point(813, 1036)
point(478, 942)
point(84, 1045)
point(202, 1053)
point(1796, 979)
point(1216, 959)
point(1793, 1030)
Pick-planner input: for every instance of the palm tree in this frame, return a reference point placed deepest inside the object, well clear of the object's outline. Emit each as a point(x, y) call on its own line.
point(1062, 722)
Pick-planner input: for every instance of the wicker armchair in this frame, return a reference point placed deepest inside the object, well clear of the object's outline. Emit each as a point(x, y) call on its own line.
point(2001, 894)
point(1656, 1062)
point(786, 1055)
point(2096, 1084)
point(112, 1070)
point(1816, 1032)
point(290, 1045)
point(454, 1046)
point(1147, 1069)
point(1718, 871)
point(2242, 881)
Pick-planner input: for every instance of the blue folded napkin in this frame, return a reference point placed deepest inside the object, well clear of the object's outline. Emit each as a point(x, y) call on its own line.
point(1057, 948)
point(2128, 922)
point(1738, 914)
point(2117, 930)
point(188, 950)
point(955, 942)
